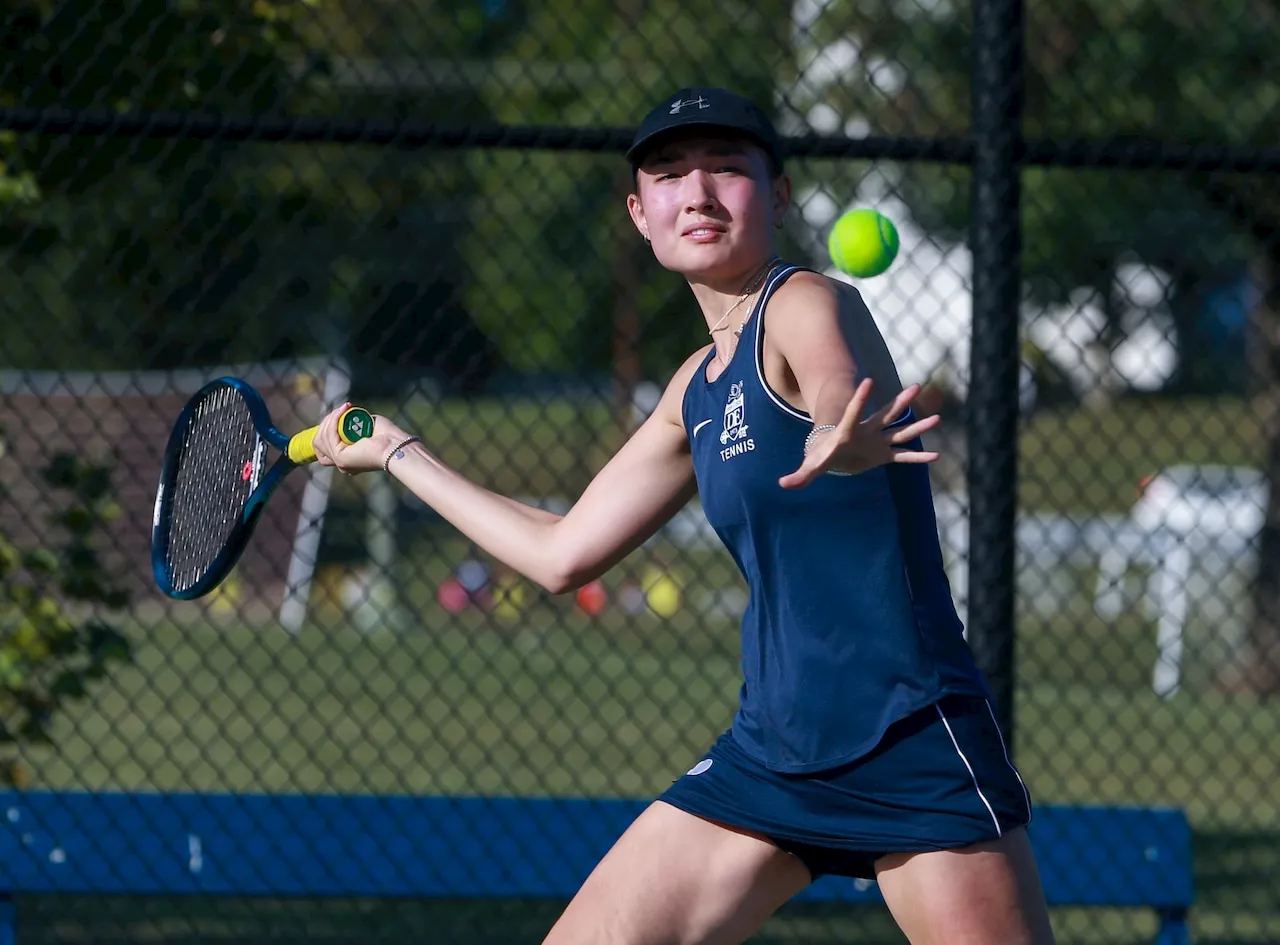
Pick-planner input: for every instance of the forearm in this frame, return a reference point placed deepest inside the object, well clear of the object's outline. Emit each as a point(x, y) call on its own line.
point(831, 398)
point(519, 535)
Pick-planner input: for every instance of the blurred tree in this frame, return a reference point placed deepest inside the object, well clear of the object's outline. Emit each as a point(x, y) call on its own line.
point(186, 252)
point(560, 275)
point(1191, 72)
point(55, 644)
point(107, 238)
point(160, 253)
point(1095, 70)
point(393, 271)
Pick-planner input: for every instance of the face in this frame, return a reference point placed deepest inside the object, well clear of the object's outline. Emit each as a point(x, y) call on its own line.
point(709, 205)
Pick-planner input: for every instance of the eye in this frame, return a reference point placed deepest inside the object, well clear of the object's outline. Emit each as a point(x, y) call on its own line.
point(729, 169)
point(668, 176)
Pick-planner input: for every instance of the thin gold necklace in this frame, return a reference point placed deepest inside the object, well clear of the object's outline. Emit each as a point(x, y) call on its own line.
point(753, 285)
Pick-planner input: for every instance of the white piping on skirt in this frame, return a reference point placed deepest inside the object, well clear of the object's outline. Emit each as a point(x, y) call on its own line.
point(995, 820)
point(1026, 795)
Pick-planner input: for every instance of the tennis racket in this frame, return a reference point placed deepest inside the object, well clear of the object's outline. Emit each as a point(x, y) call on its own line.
point(215, 482)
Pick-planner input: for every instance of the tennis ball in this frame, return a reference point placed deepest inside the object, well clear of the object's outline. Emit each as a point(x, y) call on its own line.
point(863, 243)
point(452, 596)
point(662, 594)
point(226, 596)
point(508, 597)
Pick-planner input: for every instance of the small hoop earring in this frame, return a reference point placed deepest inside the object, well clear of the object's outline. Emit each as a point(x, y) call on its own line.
point(645, 236)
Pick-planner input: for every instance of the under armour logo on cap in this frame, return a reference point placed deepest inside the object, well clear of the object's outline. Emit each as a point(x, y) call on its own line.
point(680, 103)
point(712, 110)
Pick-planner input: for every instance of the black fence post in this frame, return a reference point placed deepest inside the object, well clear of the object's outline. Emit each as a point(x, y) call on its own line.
point(995, 228)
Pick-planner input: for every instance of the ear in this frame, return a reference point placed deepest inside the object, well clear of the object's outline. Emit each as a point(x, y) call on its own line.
point(636, 209)
point(781, 198)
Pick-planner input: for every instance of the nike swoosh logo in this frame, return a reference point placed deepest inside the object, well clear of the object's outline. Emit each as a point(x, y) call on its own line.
point(700, 426)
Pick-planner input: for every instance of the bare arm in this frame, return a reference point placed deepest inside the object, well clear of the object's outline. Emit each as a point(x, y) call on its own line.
point(639, 489)
point(814, 330)
point(642, 486)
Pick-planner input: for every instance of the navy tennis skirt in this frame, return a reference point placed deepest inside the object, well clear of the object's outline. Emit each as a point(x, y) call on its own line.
point(939, 779)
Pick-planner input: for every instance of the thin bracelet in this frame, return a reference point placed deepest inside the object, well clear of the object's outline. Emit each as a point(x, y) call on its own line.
point(808, 445)
point(808, 440)
point(397, 451)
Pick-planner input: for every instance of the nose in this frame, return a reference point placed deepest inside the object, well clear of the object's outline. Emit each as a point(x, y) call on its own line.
point(699, 190)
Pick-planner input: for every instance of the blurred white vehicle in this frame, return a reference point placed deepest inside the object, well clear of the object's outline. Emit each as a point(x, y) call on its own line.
point(1196, 528)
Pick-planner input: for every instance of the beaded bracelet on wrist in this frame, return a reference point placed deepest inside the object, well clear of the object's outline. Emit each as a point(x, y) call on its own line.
point(813, 435)
point(397, 451)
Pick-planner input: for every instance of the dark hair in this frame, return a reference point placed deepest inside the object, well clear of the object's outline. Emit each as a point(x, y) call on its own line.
point(772, 158)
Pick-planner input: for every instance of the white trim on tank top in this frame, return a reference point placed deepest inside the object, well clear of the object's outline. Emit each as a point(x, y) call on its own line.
point(759, 343)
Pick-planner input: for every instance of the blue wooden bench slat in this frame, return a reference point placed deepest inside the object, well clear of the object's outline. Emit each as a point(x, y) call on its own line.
point(469, 847)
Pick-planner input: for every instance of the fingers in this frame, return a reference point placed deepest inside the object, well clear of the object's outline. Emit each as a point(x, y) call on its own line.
point(911, 431)
point(889, 414)
point(896, 409)
point(811, 467)
point(857, 404)
point(327, 442)
point(865, 451)
point(801, 477)
point(915, 456)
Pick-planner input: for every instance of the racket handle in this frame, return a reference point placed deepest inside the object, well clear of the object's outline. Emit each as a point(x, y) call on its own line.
point(355, 423)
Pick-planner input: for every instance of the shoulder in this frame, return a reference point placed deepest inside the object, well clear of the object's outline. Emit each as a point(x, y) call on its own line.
point(819, 323)
point(810, 294)
point(811, 300)
point(673, 397)
point(684, 373)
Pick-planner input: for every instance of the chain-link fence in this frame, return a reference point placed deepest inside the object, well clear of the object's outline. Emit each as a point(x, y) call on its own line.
point(420, 206)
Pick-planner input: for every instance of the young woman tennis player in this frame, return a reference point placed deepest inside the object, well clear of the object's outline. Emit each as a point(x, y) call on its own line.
point(864, 744)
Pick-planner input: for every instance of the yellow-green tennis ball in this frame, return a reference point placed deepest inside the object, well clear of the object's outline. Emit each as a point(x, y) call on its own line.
point(662, 594)
point(863, 243)
point(664, 598)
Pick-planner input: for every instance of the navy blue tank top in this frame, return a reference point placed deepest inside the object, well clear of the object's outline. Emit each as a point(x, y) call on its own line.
point(850, 623)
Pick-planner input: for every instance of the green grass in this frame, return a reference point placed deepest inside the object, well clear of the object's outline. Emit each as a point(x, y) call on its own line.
point(1091, 462)
point(562, 705)
point(464, 708)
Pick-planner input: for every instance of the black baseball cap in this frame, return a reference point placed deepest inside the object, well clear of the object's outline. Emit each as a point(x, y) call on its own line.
point(709, 109)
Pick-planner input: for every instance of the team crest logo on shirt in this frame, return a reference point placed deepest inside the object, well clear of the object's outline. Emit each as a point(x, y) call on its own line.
point(734, 434)
point(735, 415)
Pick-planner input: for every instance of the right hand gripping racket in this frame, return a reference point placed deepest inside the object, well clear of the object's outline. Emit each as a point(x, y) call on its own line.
point(215, 481)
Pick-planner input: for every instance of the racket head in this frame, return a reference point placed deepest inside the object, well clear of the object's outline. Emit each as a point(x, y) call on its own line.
point(214, 481)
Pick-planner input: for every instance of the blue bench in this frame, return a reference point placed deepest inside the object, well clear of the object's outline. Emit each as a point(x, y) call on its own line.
point(467, 847)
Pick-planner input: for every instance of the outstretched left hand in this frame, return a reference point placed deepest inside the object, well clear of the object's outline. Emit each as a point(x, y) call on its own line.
point(856, 445)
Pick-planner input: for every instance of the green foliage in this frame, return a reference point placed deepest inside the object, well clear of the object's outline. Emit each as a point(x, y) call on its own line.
point(1096, 69)
point(136, 253)
point(53, 644)
point(195, 252)
point(156, 228)
point(554, 255)
point(148, 54)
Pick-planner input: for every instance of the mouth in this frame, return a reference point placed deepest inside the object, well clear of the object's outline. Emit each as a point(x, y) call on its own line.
point(704, 232)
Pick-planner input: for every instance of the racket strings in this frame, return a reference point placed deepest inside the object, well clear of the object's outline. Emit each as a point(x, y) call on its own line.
point(218, 469)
